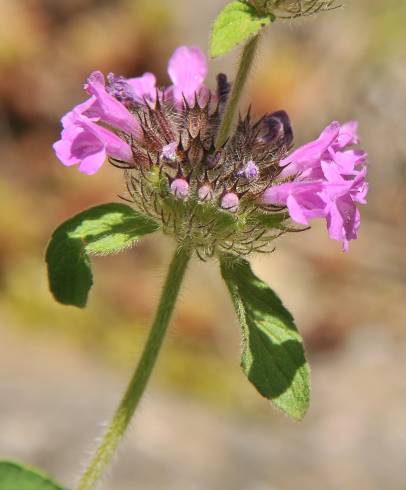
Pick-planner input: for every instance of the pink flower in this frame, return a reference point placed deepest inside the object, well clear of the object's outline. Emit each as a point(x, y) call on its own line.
point(136, 89)
point(328, 182)
point(187, 68)
point(301, 198)
point(86, 143)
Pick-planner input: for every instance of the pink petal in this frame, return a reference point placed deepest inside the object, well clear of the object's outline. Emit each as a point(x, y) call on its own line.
point(115, 146)
point(348, 135)
point(91, 164)
point(296, 211)
point(348, 160)
point(187, 69)
point(110, 110)
point(62, 149)
point(86, 108)
point(143, 87)
point(309, 155)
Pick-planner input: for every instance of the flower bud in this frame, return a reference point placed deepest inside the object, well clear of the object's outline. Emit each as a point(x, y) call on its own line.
point(230, 202)
point(180, 188)
point(205, 192)
point(169, 151)
point(250, 171)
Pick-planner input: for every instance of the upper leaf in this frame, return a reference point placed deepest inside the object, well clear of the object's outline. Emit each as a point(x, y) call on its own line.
point(14, 476)
point(236, 23)
point(101, 230)
point(273, 356)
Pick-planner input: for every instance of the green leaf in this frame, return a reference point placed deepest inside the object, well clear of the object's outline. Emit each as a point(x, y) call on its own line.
point(101, 230)
point(273, 357)
point(15, 476)
point(273, 220)
point(236, 23)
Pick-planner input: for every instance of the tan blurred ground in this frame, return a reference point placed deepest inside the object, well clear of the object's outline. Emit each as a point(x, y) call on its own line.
point(202, 426)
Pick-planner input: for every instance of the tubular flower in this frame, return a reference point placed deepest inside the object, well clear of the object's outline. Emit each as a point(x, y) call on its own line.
point(231, 200)
point(325, 179)
point(86, 143)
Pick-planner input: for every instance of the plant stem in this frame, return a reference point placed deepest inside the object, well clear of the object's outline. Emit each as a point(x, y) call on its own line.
point(125, 411)
point(244, 68)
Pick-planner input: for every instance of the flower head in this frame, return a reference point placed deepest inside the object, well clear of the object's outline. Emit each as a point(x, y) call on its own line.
point(234, 199)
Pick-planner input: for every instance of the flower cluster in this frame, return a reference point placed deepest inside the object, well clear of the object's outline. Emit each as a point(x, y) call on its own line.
point(327, 180)
point(234, 199)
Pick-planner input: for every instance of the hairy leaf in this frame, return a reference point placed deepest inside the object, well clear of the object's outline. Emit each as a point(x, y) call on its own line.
point(273, 220)
point(236, 23)
point(15, 476)
point(273, 357)
point(101, 230)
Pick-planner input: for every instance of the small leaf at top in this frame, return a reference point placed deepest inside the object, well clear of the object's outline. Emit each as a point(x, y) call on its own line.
point(101, 230)
point(273, 357)
point(15, 476)
point(236, 23)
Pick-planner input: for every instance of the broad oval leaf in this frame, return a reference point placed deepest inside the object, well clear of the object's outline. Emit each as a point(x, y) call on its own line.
point(236, 23)
point(101, 230)
point(15, 476)
point(273, 356)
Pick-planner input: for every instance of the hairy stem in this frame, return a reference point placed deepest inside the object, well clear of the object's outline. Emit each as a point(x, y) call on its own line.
point(244, 68)
point(125, 411)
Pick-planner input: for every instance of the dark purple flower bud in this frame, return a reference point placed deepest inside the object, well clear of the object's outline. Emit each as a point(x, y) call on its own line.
point(275, 128)
point(213, 160)
point(223, 87)
point(230, 202)
point(180, 188)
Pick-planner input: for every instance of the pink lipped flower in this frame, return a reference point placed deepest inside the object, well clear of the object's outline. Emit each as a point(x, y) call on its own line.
point(187, 68)
point(86, 143)
point(325, 179)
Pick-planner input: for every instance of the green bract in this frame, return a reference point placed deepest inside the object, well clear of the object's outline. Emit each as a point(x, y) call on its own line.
point(236, 23)
point(14, 476)
point(101, 230)
point(273, 357)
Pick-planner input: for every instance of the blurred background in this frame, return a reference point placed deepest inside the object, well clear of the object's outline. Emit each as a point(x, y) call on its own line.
point(201, 425)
